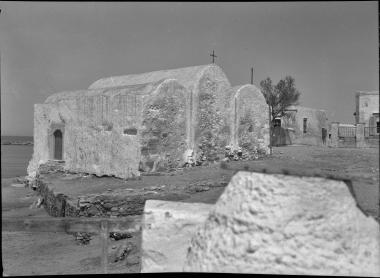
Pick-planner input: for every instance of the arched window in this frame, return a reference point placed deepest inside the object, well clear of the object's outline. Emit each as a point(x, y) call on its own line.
point(304, 125)
point(58, 144)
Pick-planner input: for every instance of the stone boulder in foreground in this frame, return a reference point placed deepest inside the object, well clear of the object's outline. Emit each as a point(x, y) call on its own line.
point(282, 224)
point(167, 230)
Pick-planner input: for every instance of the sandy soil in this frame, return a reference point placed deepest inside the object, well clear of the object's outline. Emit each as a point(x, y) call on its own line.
point(58, 253)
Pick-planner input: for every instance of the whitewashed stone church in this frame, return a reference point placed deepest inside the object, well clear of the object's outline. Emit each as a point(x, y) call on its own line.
point(153, 121)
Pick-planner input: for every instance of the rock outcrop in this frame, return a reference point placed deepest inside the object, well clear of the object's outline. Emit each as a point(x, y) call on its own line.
point(280, 224)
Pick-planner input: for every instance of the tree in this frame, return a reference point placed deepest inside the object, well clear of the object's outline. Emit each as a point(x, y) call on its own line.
point(280, 96)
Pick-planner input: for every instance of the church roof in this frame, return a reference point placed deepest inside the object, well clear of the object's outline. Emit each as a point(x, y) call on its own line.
point(367, 93)
point(232, 92)
point(143, 83)
point(186, 76)
point(139, 89)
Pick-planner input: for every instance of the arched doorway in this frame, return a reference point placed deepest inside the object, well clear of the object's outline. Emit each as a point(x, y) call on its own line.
point(58, 144)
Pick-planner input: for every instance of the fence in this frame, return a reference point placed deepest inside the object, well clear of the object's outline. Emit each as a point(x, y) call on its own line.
point(102, 226)
point(372, 131)
point(347, 131)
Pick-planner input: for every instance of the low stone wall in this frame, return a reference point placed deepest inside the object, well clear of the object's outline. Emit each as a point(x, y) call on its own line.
point(351, 142)
point(347, 142)
point(107, 204)
point(372, 142)
point(358, 141)
point(110, 203)
point(55, 203)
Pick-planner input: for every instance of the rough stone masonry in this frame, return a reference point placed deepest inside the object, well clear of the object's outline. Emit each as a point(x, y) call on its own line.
point(153, 121)
point(279, 224)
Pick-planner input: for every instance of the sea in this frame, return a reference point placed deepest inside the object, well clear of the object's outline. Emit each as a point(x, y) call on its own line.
point(15, 158)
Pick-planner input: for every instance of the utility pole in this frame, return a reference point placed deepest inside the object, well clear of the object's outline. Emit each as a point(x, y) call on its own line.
point(252, 76)
point(213, 57)
point(270, 130)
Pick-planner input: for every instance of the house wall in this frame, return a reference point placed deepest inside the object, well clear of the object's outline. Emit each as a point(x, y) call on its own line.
point(367, 103)
point(93, 138)
point(293, 125)
point(110, 133)
point(206, 84)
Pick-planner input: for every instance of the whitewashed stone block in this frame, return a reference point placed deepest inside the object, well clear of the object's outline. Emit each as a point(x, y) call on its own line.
point(278, 224)
point(167, 230)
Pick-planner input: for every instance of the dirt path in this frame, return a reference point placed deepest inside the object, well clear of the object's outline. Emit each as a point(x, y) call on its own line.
point(58, 253)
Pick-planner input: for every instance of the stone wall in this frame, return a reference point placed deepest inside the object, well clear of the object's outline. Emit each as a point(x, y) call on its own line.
point(163, 134)
point(56, 204)
point(93, 136)
point(293, 124)
point(208, 129)
point(206, 85)
point(372, 142)
point(117, 203)
point(359, 140)
point(48, 118)
point(367, 103)
point(249, 120)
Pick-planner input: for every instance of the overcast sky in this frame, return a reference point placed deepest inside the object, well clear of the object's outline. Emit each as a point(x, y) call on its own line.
point(331, 49)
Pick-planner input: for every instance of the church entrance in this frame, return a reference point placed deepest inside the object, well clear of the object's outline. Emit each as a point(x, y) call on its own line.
point(58, 144)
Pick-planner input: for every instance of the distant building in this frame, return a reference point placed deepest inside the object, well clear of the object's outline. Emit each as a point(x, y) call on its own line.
point(300, 125)
point(367, 110)
point(365, 132)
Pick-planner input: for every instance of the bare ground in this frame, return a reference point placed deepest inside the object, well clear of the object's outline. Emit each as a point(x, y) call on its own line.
point(58, 253)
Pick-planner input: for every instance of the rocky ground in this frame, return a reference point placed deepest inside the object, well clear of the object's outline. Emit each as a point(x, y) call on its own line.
point(61, 253)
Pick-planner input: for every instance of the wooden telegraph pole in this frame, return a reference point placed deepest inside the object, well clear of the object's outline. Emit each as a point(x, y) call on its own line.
point(270, 130)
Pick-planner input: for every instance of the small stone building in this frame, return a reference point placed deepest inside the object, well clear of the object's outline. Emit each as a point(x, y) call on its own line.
point(365, 132)
point(367, 111)
point(301, 125)
point(153, 121)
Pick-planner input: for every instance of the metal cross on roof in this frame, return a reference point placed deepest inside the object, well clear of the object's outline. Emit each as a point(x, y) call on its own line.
point(213, 56)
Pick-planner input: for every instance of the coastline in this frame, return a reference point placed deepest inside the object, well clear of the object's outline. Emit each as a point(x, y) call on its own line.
point(16, 143)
